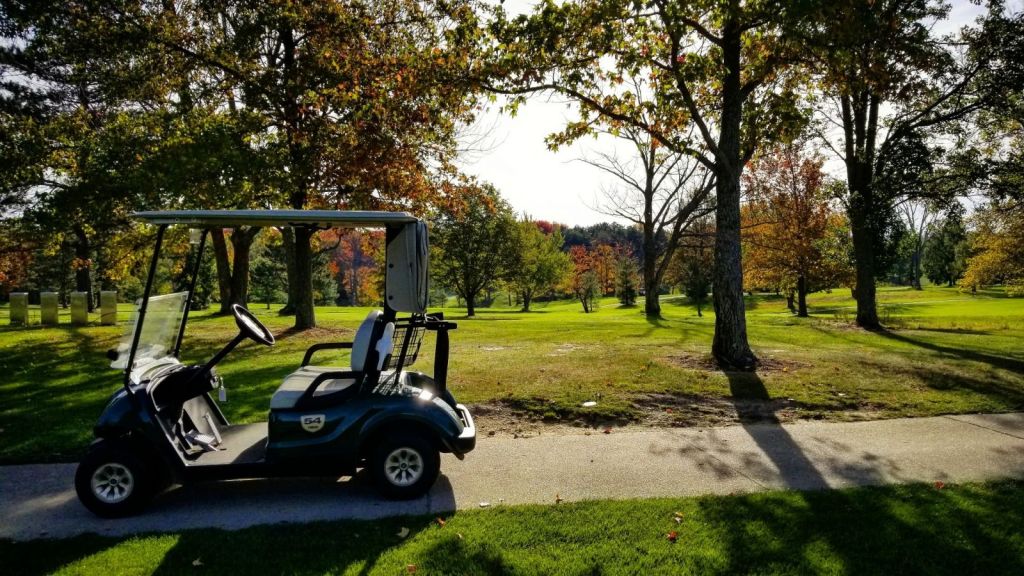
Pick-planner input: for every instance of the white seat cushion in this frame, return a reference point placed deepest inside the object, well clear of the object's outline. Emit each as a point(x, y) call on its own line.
point(296, 384)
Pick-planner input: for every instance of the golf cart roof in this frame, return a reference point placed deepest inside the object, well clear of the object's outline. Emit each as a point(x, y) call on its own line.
point(317, 218)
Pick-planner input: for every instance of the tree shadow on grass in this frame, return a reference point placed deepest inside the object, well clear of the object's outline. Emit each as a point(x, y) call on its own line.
point(890, 534)
point(904, 530)
point(964, 331)
point(1003, 362)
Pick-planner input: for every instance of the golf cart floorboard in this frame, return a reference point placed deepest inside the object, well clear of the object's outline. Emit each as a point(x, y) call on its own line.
point(241, 444)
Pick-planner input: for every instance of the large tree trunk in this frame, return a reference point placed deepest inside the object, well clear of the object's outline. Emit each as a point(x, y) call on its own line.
point(730, 347)
point(288, 241)
point(470, 304)
point(527, 297)
point(863, 233)
point(304, 316)
point(301, 280)
point(801, 297)
point(915, 268)
point(220, 256)
point(652, 307)
point(864, 254)
point(860, 122)
point(83, 257)
point(241, 242)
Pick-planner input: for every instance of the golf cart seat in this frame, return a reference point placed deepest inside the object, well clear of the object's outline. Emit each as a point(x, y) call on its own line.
point(297, 383)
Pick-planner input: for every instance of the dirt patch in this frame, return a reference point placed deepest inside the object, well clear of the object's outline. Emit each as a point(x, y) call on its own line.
point(704, 362)
point(318, 334)
point(568, 348)
point(524, 418)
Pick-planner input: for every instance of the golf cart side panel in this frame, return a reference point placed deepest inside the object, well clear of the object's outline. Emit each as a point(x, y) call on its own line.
point(129, 417)
point(325, 432)
point(434, 415)
point(119, 417)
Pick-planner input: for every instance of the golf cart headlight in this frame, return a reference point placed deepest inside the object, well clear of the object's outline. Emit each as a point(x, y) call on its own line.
point(426, 395)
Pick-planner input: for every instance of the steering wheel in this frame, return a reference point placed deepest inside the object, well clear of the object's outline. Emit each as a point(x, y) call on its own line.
point(251, 327)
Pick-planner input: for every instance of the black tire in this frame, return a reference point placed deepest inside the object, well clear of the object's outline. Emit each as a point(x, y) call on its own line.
point(131, 481)
point(420, 456)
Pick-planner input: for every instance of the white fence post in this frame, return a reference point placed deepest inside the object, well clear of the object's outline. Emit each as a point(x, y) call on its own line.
point(108, 307)
point(19, 308)
point(48, 307)
point(79, 308)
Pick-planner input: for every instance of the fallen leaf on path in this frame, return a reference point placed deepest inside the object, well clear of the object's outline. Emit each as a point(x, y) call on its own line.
point(485, 504)
point(558, 498)
point(403, 532)
point(939, 484)
point(607, 430)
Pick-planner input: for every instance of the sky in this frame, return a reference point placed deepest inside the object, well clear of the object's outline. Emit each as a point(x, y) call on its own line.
point(556, 186)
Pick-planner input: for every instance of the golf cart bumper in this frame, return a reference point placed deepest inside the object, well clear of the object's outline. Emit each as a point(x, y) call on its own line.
point(466, 440)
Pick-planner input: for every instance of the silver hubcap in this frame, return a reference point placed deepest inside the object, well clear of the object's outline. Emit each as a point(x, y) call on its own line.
point(403, 467)
point(112, 483)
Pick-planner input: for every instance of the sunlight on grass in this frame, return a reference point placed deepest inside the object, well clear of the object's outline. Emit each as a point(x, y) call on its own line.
point(948, 352)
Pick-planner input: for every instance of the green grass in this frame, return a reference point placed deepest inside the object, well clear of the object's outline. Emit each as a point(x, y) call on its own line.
point(945, 352)
point(917, 529)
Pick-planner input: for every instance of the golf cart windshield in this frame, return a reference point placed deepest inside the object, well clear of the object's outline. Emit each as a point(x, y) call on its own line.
point(159, 332)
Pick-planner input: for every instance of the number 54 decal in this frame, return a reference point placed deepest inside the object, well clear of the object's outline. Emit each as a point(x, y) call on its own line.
point(312, 422)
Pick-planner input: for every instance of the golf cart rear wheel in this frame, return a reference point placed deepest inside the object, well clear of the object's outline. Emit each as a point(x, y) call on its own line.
point(112, 482)
point(404, 465)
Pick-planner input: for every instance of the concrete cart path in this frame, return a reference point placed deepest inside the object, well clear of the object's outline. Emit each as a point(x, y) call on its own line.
point(39, 501)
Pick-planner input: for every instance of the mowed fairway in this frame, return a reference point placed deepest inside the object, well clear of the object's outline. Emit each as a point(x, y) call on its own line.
point(944, 352)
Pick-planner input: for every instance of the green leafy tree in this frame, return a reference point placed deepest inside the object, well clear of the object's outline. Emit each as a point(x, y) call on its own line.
point(354, 104)
point(626, 278)
point(997, 249)
point(540, 264)
point(946, 250)
point(692, 265)
point(717, 82)
point(74, 134)
point(895, 88)
point(475, 236)
point(267, 278)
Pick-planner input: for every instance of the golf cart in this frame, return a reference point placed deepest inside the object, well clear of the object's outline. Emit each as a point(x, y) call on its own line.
point(327, 419)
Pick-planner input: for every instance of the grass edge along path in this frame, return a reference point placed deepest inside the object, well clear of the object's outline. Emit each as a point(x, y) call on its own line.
point(909, 529)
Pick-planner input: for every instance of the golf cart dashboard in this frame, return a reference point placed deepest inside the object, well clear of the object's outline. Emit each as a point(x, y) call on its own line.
point(177, 384)
point(150, 369)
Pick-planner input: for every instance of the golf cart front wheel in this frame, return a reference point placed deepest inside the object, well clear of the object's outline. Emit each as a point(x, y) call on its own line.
point(112, 482)
point(404, 466)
